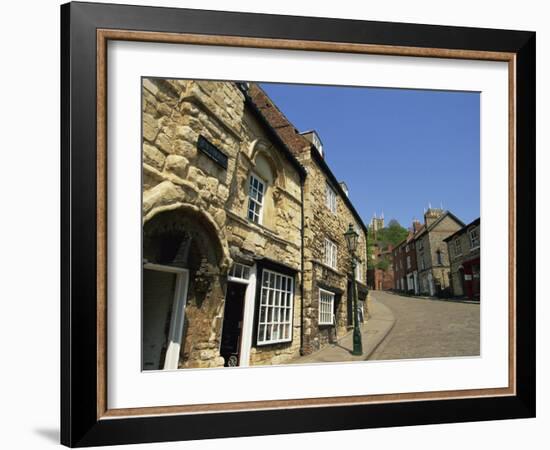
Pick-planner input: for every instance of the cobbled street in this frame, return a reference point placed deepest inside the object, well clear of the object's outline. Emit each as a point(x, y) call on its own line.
point(428, 328)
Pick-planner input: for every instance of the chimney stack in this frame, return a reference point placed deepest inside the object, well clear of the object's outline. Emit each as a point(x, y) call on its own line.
point(431, 215)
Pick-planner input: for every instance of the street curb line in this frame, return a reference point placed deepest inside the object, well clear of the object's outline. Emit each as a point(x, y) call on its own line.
point(384, 335)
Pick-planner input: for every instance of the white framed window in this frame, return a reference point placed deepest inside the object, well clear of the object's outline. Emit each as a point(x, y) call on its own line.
point(326, 307)
point(408, 262)
point(420, 244)
point(458, 247)
point(474, 239)
point(330, 198)
point(359, 270)
point(331, 251)
point(407, 248)
point(276, 306)
point(239, 272)
point(422, 263)
point(256, 192)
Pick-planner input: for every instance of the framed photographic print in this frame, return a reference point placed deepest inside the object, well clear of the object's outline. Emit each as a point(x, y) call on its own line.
point(276, 224)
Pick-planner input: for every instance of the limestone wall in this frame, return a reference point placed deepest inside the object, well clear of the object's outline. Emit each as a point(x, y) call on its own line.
point(321, 223)
point(433, 242)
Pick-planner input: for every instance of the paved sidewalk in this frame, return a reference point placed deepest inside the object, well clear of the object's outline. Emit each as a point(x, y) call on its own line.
point(373, 332)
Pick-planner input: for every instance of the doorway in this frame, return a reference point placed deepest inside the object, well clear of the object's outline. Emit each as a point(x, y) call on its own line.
point(461, 281)
point(431, 284)
point(475, 282)
point(230, 348)
point(163, 312)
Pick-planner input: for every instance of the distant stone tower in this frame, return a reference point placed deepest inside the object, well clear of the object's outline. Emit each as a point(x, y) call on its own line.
point(377, 223)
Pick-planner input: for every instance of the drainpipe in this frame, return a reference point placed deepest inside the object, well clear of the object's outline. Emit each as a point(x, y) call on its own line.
point(367, 315)
point(302, 270)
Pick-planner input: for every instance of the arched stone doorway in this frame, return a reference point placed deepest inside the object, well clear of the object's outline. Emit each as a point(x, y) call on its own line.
point(183, 290)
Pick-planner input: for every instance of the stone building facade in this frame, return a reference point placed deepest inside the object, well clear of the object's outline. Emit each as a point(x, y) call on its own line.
point(463, 248)
point(328, 211)
point(222, 230)
point(431, 251)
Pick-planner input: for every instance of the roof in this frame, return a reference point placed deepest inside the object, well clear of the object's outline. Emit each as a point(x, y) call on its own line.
point(273, 133)
point(438, 220)
point(463, 229)
point(297, 143)
point(410, 237)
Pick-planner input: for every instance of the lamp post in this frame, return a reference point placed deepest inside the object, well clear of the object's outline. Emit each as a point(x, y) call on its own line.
point(351, 240)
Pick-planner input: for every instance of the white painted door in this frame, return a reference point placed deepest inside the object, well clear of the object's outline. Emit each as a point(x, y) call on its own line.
point(158, 296)
point(164, 299)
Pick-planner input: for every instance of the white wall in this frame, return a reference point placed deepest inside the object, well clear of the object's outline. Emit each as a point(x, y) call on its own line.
point(29, 130)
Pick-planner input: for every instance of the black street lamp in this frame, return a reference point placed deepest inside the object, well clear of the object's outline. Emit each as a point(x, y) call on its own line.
point(351, 239)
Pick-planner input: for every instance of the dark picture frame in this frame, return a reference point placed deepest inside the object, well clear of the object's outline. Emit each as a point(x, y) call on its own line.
point(85, 29)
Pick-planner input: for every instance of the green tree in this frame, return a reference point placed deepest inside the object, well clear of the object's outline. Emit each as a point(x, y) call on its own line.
point(383, 264)
point(393, 234)
point(370, 249)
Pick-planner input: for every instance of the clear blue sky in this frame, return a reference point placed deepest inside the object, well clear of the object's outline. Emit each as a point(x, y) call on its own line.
point(397, 149)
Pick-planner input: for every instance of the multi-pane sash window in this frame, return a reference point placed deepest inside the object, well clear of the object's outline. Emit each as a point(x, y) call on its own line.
point(474, 239)
point(330, 253)
point(256, 192)
point(326, 307)
point(458, 247)
point(408, 262)
point(276, 301)
point(330, 198)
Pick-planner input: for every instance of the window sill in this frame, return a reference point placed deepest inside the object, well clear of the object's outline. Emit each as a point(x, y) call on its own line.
point(257, 227)
point(326, 266)
point(265, 344)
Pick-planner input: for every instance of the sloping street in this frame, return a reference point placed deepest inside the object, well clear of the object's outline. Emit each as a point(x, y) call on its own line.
point(426, 328)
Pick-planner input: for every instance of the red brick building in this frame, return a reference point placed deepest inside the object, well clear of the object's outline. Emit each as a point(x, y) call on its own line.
point(382, 279)
point(404, 262)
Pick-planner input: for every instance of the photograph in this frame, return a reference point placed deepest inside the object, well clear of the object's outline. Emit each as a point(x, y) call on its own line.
point(307, 224)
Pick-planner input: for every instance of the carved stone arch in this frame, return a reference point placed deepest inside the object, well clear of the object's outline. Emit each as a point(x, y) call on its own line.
point(265, 150)
point(183, 235)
